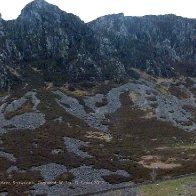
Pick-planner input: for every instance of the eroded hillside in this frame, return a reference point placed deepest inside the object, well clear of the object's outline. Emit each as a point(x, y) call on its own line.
point(89, 139)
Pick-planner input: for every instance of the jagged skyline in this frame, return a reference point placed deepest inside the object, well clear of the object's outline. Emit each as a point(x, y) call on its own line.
point(88, 10)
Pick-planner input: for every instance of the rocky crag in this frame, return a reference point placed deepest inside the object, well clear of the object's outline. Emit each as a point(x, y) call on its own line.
point(66, 49)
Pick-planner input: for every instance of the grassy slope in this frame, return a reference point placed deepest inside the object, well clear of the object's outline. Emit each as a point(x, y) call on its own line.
point(182, 186)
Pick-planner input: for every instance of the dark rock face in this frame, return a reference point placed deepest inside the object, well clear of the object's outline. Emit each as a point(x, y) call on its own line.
point(68, 50)
point(156, 44)
point(57, 42)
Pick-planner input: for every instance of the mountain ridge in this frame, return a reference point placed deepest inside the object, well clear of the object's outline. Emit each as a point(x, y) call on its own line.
point(68, 50)
point(110, 104)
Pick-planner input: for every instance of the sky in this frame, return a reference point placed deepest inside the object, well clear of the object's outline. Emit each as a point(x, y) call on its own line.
point(88, 10)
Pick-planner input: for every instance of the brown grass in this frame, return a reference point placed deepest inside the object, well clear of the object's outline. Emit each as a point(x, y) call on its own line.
point(133, 96)
point(153, 162)
point(75, 92)
point(26, 107)
point(178, 92)
point(132, 138)
point(98, 136)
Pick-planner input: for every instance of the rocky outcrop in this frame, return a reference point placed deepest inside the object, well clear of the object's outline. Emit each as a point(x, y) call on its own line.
point(161, 45)
point(68, 50)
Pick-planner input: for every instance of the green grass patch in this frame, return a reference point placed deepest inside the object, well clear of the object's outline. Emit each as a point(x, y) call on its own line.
point(170, 187)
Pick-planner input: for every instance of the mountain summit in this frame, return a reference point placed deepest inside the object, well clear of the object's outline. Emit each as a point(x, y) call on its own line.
point(38, 9)
point(68, 50)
